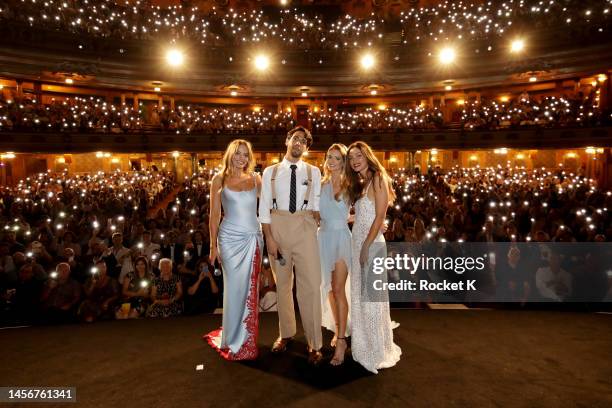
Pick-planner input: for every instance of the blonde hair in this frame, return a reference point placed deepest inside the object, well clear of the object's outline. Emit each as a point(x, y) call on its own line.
point(355, 185)
point(226, 163)
point(339, 147)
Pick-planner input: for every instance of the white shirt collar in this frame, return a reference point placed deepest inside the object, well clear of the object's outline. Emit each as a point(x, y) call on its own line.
point(288, 164)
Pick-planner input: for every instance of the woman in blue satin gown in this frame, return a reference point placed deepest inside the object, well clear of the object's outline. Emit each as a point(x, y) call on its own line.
point(236, 244)
point(335, 250)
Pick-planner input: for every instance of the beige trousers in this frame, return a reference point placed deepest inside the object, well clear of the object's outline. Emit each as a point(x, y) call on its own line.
point(296, 235)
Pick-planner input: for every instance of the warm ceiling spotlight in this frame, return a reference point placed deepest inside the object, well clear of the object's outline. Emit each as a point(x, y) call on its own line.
point(262, 62)
point(157, 89)
point(284, 3)
point(448, 87)
point(600, 78)
point(373, 92)
point(69, 81)
point(304, 94)
point(234, 93)
point(176, 154)
point(517, 45)
point(504, 98)
point(447, 55)
point(533, 79)
point(594, 150)
point(367, 61)
point(382, 106)
point(175, 57)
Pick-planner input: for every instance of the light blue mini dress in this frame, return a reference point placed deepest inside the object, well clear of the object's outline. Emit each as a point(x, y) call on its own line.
point(334, 244)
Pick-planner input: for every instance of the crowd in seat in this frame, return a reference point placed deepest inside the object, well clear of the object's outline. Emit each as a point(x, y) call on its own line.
point(76, 114)
point(526, 111)
point(90, 114)
point(290, 28)
point(135, 244)
point(500, 204)
point(521, 219)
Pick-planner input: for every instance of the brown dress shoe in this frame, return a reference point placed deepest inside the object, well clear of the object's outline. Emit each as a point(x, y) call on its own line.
point(315, 357)
point(280, 344)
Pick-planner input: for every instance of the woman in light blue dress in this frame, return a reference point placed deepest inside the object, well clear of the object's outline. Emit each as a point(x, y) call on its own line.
point(236, 244)
point(335, 250)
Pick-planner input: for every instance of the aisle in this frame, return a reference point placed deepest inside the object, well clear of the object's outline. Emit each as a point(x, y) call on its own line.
point(164, 203)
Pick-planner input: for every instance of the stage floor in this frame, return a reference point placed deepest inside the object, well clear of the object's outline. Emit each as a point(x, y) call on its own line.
point(451, 358)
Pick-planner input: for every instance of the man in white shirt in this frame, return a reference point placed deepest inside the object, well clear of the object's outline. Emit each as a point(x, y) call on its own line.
point(552, 281)
point(122, 257)
point(289, 214)
point(146, 247)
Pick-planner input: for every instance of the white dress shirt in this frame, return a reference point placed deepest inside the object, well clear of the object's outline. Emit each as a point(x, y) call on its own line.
point(283, 189)
point(147, 250)
point(546, 281)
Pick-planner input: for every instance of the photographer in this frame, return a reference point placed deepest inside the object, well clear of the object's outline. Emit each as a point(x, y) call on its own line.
point(202, 292)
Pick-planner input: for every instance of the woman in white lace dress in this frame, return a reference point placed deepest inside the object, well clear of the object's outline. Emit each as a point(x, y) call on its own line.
point(371, 192)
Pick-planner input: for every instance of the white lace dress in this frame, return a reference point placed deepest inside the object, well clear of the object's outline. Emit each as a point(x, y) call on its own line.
point(372, 331)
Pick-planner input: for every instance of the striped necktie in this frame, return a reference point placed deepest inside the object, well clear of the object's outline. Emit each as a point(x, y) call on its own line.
point(293, 192)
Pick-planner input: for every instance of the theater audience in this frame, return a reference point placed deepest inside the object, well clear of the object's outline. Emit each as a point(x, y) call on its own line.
point(552, 281)
point(54, 215)
point(202, 293)
point(214, 30)
point(60, 298)
point(136, 291)
point(167, 292)
point(122, 257)
point(101, 294)
point(267, 288)
point(536, 111)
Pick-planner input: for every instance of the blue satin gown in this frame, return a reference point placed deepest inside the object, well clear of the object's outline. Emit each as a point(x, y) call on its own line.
point(240, 242)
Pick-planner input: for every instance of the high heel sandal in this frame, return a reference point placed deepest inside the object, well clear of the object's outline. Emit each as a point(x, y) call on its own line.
point(334, 339)
point(337, 361)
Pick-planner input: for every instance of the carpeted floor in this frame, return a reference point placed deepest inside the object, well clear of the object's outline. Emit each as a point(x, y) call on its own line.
point(451, 358)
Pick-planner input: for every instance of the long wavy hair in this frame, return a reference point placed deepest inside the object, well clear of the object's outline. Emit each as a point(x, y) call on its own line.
point(355, 184)
point(340, 148)
point(226, 163)
point(148, 275)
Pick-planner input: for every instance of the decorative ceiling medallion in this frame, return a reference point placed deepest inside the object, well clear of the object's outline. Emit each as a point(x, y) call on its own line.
point(233, 89)
point(525, 76)
point(375, 87)
point(66, 77)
